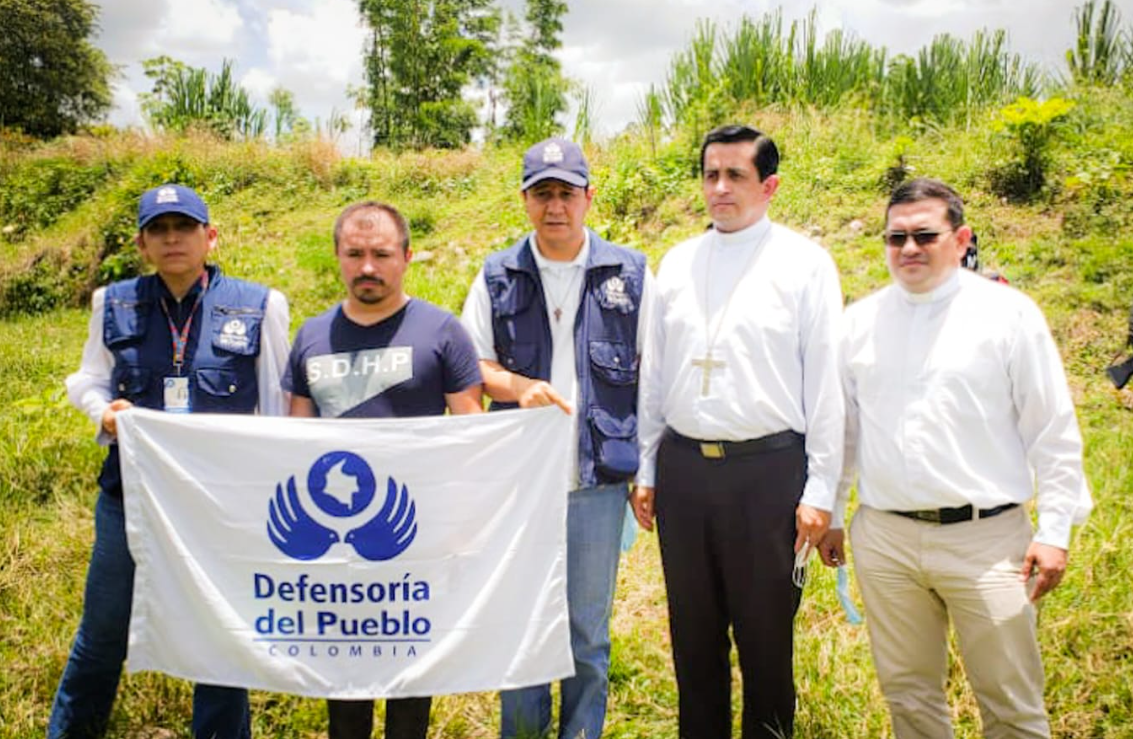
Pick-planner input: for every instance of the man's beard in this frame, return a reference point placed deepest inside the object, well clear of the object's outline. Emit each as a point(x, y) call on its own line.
point(372, 297)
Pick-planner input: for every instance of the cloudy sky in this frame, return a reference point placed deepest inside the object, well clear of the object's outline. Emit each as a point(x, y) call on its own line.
point(617, 47)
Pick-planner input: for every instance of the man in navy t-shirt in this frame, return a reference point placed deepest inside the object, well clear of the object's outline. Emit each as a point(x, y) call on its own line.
point(380, 354)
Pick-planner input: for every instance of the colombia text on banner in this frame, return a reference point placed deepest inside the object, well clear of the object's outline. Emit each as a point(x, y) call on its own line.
point(349, 558)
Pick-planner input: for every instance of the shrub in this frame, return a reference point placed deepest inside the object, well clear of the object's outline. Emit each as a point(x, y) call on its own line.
point(1032, 126)
point(36, 192)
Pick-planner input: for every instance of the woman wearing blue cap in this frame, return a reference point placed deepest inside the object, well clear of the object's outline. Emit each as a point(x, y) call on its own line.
point(145, 349)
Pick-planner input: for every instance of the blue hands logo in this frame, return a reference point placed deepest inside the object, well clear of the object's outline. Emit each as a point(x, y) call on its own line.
point(342, 486)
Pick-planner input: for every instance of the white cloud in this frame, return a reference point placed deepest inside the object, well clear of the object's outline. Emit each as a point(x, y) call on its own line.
point(324, 42)
point(316, 52)
point(126, 110)
point(127, 29)
point(259, 82)
point(200, 27)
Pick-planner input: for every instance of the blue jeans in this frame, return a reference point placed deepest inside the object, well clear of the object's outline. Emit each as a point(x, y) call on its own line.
point(594, 529)
point(90, 680)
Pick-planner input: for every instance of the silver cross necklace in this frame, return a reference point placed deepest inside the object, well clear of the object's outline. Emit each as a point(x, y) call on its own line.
point(706, 363)
point(559, 300)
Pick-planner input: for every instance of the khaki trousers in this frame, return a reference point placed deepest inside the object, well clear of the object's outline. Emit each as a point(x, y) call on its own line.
point(915, 575)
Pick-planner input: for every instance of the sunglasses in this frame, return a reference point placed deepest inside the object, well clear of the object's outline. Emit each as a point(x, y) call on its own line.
point(897, 239)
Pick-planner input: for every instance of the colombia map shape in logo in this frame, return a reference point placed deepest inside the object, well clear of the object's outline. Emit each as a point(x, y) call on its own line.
point(342, 485)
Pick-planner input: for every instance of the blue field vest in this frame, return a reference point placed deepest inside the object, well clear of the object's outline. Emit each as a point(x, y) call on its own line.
point(221, 367)
point(605, 346)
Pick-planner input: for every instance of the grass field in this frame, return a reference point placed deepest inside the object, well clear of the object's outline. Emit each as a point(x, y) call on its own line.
point(1071, 248)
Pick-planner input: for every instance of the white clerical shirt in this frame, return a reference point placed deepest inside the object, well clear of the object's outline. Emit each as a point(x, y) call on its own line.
point(768, 302)
point(958, 397)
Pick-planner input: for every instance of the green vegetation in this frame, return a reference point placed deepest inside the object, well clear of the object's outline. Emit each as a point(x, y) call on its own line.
point(534, 87)
point(759, 62)
point(419, 58)
point(66, 220)
point(1033, 126)
point(184, 97)
point(54, 80)
point(1101, 55)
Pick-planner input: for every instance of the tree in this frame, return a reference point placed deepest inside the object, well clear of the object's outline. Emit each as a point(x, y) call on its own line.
point(184, 97)
point(534, 87)
point(287, 122)
point(421, 54)
point(52, 80)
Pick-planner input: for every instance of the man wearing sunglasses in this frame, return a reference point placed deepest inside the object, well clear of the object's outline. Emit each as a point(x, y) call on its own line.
point(957, 412)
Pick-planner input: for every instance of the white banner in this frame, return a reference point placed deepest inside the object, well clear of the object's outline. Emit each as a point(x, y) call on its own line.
point(349, 558)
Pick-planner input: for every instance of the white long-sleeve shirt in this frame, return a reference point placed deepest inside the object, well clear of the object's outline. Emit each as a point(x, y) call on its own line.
point(777, 335)
point(958, 397)
point(89, 388)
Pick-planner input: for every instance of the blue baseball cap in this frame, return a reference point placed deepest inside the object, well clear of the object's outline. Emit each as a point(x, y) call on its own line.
point(555, 159)
point(171, 199)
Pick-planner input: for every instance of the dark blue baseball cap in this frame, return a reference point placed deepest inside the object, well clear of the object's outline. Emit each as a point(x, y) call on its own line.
point(171, 199)
point(555, 159)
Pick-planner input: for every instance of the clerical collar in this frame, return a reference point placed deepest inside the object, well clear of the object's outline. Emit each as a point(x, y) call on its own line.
point(754, 232)
point(550, 264)
point(943, 291)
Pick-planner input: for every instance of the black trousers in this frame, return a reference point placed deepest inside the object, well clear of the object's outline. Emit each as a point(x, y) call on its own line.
point(406, 718)
point(727, 531)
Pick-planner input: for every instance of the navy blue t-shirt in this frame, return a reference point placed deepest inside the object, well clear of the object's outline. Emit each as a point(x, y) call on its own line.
point(402, 366)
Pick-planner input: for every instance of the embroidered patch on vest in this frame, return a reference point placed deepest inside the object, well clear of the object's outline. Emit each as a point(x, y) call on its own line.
point(613, 294)
point(233, 335)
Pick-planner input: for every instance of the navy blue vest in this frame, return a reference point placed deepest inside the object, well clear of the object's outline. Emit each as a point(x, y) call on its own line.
point(605, 346)
point(221, 368)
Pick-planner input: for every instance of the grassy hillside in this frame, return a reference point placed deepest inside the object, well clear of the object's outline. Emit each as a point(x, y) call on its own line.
point(66, 212)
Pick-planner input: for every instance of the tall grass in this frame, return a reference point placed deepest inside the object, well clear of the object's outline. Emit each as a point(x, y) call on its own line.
point(759, 62)
point(1101, 50)
point(187, 96)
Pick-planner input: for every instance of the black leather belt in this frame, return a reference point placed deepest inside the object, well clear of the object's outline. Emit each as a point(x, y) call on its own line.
point(724, 449)
point(955, 515)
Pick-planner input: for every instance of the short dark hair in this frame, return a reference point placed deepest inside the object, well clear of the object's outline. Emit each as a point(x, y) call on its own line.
point(389, 210)
point(766, 153)
point(925, 188)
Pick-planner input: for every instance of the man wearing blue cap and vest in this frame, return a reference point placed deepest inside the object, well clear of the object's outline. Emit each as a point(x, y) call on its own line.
point(555, 319)
point(186, 339)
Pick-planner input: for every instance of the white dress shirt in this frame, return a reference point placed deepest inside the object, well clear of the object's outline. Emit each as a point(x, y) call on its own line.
point(774, 305)
point(89, 388)
point(562, 288)
point(958, 397)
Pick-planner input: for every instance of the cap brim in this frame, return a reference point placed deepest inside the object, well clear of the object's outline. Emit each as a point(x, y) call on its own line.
point(180, 210)
point(562, 175)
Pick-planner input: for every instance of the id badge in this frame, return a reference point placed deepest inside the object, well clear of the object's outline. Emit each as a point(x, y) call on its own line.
point(176, 395)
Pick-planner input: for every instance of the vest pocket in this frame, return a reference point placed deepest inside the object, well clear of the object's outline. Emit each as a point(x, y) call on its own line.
point(614, 362)
point(124, 321)
point(131, 383)
point(615, 443)
point(236, 330)
point(222, 391)
point(521, 359)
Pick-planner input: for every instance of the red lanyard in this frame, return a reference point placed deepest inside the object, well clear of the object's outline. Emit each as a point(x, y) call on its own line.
point(181, 338)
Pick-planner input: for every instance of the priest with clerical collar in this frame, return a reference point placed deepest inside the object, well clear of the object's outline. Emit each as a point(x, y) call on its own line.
point(741, 424)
